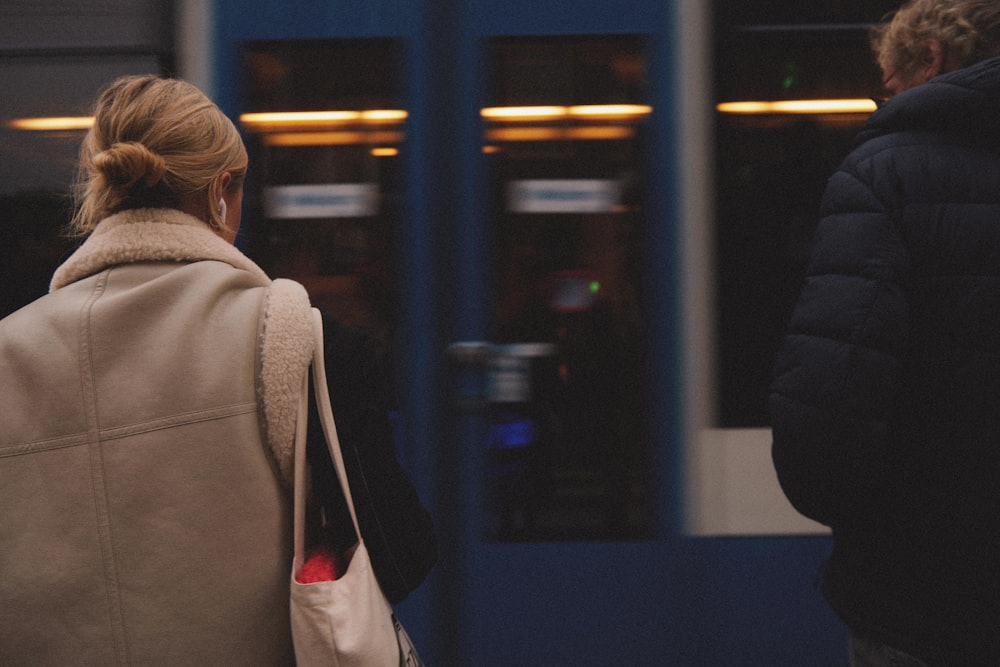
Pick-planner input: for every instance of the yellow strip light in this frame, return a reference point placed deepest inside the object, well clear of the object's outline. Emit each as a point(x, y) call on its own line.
point(610, 111)
point(52, 124)
point(524, 113)
point(799, 107)
point(552, 113)
point(318, 120)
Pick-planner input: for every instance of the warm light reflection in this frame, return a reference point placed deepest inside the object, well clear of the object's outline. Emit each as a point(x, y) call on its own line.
point(585, 111)
point(798, 107)
point(383, 115)
point(385, 151)
point(537, 133)
point(605, 132)
point(317, 120)
point(610, 111)
point(52, 124)
point(332, 138)
point(523, 113)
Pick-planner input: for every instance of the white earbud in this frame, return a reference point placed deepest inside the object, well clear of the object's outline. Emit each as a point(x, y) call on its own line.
point(222, 210)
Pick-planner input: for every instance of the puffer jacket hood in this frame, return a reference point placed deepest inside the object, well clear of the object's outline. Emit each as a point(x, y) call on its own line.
point(964, 105)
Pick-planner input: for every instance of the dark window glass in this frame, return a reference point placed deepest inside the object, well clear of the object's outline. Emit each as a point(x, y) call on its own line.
point(771, 170)
point(568, 450)
point(321, 200)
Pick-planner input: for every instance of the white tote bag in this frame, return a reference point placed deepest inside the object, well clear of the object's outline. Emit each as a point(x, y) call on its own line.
point(347, 622)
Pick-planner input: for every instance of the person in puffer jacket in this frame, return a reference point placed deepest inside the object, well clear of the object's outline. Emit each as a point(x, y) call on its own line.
point(885, 405)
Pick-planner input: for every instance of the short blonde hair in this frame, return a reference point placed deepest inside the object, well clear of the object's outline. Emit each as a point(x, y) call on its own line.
point(968, 29)
point(154, 143)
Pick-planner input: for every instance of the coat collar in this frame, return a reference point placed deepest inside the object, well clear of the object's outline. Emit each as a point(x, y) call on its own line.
point(964, 105)
point(149, 235)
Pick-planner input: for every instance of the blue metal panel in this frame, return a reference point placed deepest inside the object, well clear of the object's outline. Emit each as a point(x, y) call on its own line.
point(557, 17)
point(571, 604)
point(753, 602)
point(431, 177)
point(417, 337)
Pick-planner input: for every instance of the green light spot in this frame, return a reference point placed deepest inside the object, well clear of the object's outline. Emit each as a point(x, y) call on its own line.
point(594, 286)
point(790, 75)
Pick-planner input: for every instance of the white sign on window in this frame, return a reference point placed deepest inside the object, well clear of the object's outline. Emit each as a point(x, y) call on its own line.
point(331, 200)
point(563, 196)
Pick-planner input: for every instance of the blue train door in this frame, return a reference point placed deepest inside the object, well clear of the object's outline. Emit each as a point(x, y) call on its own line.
point(561, 427)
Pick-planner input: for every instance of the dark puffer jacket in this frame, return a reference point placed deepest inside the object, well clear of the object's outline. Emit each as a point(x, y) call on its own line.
point(886, 402)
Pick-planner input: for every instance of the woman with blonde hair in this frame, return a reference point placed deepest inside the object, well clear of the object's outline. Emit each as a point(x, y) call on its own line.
point(884, 407)
point(149, 411)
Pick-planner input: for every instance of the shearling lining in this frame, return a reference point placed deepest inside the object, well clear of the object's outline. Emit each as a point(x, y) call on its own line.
point(149, 235)
point(286, 348)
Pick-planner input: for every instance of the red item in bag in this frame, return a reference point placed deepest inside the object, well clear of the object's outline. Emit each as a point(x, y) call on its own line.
point(322, 564)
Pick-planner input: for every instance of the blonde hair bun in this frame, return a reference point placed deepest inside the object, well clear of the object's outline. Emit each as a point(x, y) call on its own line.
point(128, 164)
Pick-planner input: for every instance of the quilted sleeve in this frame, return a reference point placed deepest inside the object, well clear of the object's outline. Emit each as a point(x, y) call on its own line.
point(837, 372)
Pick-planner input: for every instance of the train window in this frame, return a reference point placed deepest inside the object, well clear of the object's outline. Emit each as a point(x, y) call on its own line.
point(568, 453)
point(794, 83)
point(324, 130)
point(43, 116)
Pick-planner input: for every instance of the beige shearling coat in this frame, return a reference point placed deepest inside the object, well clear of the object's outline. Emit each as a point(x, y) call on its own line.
point(146, 424)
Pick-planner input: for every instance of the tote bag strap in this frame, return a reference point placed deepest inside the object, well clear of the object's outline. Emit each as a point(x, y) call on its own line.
point(329, 431)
